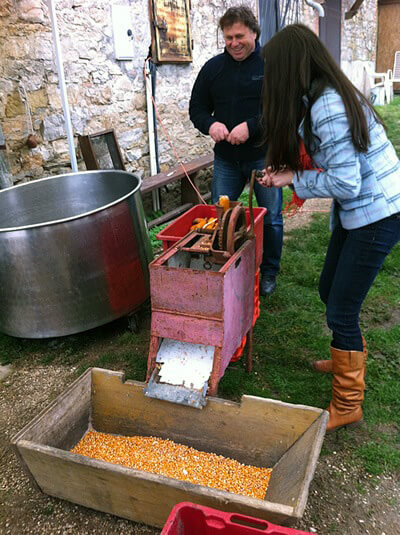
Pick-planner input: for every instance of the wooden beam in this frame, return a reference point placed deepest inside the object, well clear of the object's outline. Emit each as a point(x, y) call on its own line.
point(162, 179)
point(353, 10)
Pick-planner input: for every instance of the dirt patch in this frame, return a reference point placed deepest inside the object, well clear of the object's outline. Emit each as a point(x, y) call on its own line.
point(304, 215)
point(343, 498)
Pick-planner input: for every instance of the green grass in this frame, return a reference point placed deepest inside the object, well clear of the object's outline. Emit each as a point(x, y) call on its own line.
point(391, 116)
point(156, 244)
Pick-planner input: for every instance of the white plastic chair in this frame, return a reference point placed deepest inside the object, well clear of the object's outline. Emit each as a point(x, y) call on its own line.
point(394, 76)
point(379, 89)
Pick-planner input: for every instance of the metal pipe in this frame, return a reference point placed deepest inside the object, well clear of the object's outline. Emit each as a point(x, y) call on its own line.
point(152, 139)
point(61, 81)
point(317, 7)
point(6, 180)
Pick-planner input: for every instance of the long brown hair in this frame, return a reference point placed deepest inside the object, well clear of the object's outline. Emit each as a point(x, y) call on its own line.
point(297, 64)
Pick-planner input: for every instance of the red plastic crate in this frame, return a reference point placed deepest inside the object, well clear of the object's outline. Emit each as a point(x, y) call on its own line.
point(181, 226)
point(187, 518)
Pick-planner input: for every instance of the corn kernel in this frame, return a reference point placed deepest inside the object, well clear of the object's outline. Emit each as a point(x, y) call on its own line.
point(167, 458)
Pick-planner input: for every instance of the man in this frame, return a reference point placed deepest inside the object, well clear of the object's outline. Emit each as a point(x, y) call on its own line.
point(226, 104)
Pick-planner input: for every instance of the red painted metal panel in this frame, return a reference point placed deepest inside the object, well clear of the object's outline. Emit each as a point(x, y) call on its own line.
point(189, 329)
point(187, 291)
point(238, 299)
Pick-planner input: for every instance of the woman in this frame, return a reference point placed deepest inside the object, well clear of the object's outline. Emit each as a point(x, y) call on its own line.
point(308, 98)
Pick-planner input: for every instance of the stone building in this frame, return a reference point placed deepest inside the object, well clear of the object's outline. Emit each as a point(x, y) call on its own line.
point(106, 93)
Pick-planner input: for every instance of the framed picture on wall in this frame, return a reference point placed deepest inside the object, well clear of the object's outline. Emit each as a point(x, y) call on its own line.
point(101, 151)
point(171, 33)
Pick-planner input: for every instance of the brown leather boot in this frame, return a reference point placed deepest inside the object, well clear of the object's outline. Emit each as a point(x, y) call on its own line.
point(347, 388)
point(325, 366)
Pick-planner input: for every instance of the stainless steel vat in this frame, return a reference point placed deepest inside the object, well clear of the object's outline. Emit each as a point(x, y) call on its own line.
point(74, 253)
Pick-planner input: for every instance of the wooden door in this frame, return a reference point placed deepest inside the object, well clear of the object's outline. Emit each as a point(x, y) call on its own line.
point(388, 39)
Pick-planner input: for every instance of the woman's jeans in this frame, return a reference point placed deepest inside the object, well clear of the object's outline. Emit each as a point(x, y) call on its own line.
point(229, 178)
point(352, 262)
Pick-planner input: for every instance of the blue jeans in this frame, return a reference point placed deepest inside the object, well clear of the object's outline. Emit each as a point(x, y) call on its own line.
point(229, 178)
point(352, 262)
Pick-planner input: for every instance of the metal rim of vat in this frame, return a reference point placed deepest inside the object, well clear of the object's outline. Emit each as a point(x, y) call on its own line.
point(83, 214)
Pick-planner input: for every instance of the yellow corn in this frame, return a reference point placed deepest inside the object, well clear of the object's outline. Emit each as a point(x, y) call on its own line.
point(170, 459)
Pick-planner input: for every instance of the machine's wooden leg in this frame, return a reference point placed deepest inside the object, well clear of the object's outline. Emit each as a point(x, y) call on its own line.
point(151, 361)
point(214, 377)
point(249, 360)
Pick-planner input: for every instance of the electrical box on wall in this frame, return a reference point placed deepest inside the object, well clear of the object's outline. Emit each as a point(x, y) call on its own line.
point(122, 32)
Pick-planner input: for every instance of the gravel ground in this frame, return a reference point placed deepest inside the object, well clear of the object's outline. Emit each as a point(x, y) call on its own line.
point(343, 499)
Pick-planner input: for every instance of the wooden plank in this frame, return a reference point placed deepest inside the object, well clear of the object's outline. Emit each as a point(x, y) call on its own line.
point(88, 153)
point(162, 179)
point(255, 431)
point(64, 421)
point(101, 151)
point(292, 474)
point(353, 10)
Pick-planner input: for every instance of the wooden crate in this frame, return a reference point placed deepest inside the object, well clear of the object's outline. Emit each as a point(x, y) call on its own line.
point(258, 431)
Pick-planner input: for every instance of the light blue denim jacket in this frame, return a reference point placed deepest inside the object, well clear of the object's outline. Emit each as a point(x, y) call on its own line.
point(365, 186)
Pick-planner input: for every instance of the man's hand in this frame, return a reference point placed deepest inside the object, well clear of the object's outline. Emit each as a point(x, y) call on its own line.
point(218, 132)
point(239, 134)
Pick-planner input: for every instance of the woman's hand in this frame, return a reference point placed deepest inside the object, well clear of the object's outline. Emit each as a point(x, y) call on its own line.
point(282, 178)
point(265, 179)
point(276, 179)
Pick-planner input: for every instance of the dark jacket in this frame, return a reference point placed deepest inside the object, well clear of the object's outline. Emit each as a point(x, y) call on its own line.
point(229, 92)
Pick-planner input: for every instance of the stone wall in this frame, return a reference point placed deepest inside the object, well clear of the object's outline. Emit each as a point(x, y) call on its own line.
point(105, 93)
point(359, 36)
